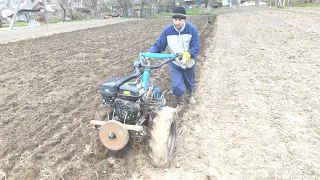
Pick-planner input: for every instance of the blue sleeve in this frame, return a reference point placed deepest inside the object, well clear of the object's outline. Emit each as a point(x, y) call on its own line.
point(194, 44)
point(160, 45)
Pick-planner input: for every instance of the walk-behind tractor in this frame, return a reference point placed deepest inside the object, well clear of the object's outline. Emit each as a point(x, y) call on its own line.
point(136, 110)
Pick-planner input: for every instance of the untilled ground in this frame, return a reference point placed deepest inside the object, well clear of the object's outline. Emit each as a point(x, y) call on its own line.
point(259, 90)
point(257, 115)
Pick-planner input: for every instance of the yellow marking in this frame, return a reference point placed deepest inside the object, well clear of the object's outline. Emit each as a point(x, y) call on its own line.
point(126, 92)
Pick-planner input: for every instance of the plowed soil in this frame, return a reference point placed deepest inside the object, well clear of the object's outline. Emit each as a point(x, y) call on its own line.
point(50, 92)
point(257, 89)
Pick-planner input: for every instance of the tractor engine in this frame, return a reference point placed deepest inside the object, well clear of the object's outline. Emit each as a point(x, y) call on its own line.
point(126, 111)
point(124, 99)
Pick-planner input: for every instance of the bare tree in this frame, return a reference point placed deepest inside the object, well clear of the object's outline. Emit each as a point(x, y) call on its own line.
point(151, 2)
point(66, 7)
point(172, 4)
point(45, 11)
point(64, 12)
point(94, 8)
point(150, 8)
point(125, 4)
point(0, 19)
point(206, 2)
point(92, 5)
point(9, 3)
point(157, 5)
point(148, 11)
point(15, 15)
point(1, 7)
point(141, 8)
point(5, 4)
point(103, 6)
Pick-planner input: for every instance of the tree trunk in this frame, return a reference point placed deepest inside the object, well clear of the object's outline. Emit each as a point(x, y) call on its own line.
point(206, 3)
point(270, 4)
point(157, 8)
point(141, 8)
point(15, 15)
point(0, 19)
point(95, 10)
point(173, 4)
point(64, 12)
point(45, 11)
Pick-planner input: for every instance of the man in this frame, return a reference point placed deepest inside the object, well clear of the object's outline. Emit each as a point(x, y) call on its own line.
point(180, 37)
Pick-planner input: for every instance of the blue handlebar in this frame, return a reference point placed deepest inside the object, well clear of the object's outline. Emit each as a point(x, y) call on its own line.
point(169, 57)
point(158, 55)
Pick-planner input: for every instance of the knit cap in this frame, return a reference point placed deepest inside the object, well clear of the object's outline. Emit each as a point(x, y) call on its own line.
point(179, 12)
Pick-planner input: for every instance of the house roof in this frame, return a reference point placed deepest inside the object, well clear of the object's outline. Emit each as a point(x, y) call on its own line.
point(30, 5)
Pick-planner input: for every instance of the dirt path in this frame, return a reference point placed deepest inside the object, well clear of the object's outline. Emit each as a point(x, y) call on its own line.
point(263, 96)
point(257, 116)
point(22, 33)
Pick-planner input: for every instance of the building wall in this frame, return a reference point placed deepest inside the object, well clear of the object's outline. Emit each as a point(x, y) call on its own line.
point(26, 15)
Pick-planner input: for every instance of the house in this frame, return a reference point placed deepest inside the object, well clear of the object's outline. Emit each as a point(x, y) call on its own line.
point(28, 11)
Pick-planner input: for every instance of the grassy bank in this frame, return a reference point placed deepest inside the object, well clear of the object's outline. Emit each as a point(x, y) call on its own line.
point(6, 24)
point(190, 12)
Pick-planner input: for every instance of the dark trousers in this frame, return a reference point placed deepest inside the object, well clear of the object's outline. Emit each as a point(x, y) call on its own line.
point(181, 79)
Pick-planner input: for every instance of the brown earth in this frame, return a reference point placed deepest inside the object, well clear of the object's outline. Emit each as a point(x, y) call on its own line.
point(49, 93)
point(257, 116)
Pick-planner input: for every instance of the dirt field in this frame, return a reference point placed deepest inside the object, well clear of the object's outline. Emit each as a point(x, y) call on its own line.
point(257, 117)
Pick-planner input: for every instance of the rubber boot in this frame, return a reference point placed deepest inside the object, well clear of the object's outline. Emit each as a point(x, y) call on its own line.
point(180, 104)
point(191, 99)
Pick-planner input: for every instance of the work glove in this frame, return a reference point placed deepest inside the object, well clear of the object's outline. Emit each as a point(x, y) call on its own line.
point(186, 56)
point(185, 60)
